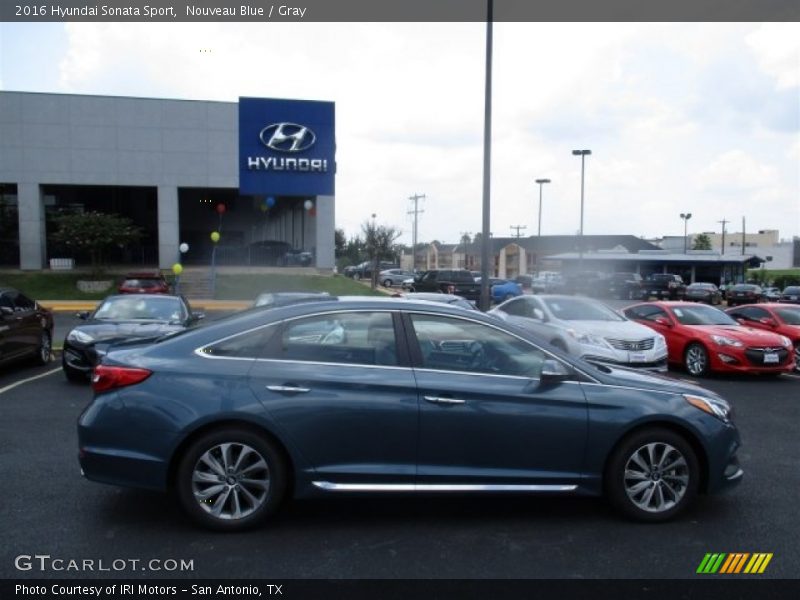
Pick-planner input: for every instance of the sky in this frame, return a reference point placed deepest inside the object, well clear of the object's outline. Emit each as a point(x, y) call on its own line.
point(690, 117)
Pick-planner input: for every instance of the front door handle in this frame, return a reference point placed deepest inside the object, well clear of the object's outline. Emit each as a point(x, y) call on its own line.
point(440, 400)
point(288, 389)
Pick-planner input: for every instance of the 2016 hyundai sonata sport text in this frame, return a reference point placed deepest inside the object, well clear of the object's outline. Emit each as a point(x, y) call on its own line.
point(358, 396)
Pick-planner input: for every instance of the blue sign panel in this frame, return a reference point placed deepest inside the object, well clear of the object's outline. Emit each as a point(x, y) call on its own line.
point(286, 147)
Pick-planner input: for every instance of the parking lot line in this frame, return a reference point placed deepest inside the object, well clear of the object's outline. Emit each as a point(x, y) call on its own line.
point(35, 377)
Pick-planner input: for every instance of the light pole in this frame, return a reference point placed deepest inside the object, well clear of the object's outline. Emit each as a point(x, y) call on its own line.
point(685, 217)
point(540, 182)
point(583, 154)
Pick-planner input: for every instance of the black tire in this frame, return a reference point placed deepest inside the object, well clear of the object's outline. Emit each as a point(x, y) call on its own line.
point(260, 450)
point(387, 283)
point(696, 359)
point(45, 349)
point(357, 276)
point(632, 473)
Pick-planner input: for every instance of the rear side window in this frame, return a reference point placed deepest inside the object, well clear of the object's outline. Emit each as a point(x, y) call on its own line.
point(358, 338)
point(250, 344)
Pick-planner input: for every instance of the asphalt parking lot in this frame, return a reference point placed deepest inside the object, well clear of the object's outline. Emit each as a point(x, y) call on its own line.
point(50, 509)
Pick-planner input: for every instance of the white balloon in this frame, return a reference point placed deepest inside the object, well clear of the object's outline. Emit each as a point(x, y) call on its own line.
point(184, 248)
point(308, 204)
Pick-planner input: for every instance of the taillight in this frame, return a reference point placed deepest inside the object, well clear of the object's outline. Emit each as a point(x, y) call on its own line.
point(108, 377)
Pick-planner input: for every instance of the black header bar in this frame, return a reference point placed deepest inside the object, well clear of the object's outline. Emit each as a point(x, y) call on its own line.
point(287, 11)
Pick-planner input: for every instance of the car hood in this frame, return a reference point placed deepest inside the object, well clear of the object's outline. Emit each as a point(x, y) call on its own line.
point(746, 335)
point(105, 331)
point(619, 330)
point(636, 378)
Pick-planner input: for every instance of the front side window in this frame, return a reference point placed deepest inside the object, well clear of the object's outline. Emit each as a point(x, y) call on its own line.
point(363, 338)
point(451, 344)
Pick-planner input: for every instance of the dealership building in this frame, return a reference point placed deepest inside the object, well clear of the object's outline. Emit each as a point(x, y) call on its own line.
point(259, 171)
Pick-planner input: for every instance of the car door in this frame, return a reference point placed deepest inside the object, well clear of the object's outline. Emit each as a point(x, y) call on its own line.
point(341, 388)
point(9, 328)
point(30, 321)
point(486, 419)
point(19, 326)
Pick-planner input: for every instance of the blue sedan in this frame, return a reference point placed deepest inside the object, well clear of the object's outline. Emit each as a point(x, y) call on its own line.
point(359, 396)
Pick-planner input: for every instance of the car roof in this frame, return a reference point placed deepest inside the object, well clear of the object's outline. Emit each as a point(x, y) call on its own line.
point(143, 296)
point(143, 275)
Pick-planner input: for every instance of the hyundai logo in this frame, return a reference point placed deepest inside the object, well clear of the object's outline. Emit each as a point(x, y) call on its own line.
point(287, 137)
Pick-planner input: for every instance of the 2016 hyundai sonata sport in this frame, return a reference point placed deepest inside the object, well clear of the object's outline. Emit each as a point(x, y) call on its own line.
point(358, 396)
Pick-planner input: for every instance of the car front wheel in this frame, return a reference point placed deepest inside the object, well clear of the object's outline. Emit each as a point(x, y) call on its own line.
point(387, 283)
point(696, 360)
point(44, 350)
point(652, 475)
point(231, 479)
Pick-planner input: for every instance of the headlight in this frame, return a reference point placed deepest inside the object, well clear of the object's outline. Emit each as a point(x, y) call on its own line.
point(661, 341)
point(716, 407)
point(721, 340)
point(786, 341)
point(588, 338)
point(76, 335)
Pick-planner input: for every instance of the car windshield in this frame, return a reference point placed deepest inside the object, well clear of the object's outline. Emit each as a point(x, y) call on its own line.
point(142, 283)
point(576, 309)
point(792, 290)
point(743, 287)
point(790, 316)
point(701, 286)
point(701, 315)
point(140, 308)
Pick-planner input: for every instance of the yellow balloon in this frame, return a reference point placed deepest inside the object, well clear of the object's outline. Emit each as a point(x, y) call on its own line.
point(177, 268)
point(215, 236)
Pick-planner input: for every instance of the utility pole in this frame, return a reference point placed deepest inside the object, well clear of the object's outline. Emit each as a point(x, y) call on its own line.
point(743, 237)
point(724, 221)
point(518, 227)
point(415, 211)
point(465, 235)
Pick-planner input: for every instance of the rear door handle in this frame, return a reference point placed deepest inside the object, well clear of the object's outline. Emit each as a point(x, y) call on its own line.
point(440, 400)
point(288, 389)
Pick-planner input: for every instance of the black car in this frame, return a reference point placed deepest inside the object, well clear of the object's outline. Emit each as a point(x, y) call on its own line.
point(623, 286)
point(744, 293)
point(790, 295)
point(26, 329)
point(703, 292)
point(122, 318)
point(668, 286)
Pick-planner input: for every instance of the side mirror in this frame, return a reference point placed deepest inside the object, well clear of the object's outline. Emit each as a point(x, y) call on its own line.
point(768, 321)
point(554, 371)
point(662, 321)
point(741, 321)
point(197, 316)
point(83, 315)
point(538, 314)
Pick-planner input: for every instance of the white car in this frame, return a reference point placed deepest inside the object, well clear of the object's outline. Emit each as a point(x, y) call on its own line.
point(588, 329)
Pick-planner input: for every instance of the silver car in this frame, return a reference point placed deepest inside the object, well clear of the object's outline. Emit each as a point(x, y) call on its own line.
point(588, 329)
point(392, 277)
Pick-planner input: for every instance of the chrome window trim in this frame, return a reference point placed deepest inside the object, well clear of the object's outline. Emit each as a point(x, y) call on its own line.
point(441, 487)
point(330, 364)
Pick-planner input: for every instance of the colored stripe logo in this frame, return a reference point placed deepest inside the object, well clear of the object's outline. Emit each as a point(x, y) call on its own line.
point(734, 563)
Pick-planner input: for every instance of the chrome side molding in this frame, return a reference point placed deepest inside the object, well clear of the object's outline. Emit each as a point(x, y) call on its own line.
point(440, 487)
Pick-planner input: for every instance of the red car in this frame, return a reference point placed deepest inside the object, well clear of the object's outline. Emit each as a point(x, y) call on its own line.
point(779, 318)
point(704, 339)
point(144, 283)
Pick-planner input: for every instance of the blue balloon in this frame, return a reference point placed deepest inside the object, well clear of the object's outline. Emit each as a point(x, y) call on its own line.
point(270, 201)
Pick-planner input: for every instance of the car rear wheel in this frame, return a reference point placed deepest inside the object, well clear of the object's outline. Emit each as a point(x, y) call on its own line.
point(652, 475)
point(231, 479)
point(696, 360)
point(356, 276)
point(45, 349)
point(387, 283)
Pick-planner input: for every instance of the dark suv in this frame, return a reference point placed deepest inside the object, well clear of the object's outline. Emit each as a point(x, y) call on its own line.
point(623, 286)
point(664, 285)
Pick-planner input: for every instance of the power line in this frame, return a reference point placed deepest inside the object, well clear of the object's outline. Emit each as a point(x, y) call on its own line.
point(518, 228)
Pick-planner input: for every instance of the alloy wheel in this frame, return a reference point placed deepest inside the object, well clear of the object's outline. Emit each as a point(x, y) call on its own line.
point(231, 481)
point(696, 360)
point(656, 477)
point(45, 349)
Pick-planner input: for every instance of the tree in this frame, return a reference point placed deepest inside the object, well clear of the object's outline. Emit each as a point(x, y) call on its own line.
point(701, 242)
point(339, 242)
point(380, 244)
point(94, 232)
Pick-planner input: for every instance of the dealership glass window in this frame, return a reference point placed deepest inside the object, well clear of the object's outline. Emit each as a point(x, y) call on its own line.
point(452, 344)
point(364, 338)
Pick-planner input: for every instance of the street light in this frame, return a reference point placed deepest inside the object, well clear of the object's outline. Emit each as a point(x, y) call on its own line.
point(540, 182)
point(685, 217)
point(583, 154)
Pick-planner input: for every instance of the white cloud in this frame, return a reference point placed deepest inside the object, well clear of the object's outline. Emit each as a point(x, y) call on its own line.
point(777, 48)
point(737, 170)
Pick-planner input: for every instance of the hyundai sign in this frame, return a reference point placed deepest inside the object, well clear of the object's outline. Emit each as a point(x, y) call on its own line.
point(286, 147)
